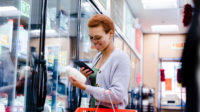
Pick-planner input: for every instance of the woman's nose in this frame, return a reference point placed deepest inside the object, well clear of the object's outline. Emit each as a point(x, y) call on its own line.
point(94, 41)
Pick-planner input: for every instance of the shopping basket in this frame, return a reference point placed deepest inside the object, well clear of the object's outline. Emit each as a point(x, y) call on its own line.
point(103, 109)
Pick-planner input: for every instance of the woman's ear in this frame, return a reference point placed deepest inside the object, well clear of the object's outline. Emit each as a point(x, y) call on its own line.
point(111, 34)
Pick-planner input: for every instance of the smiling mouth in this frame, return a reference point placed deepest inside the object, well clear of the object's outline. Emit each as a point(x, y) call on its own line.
point(97, 46)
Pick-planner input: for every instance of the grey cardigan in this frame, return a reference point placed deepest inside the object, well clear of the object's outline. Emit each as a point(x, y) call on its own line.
point(114, 75)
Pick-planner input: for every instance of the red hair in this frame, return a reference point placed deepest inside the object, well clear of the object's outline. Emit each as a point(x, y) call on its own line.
point(101, 19)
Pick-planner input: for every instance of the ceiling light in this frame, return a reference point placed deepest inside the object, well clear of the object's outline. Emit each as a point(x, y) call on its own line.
point(164, 28)
point(159, 4)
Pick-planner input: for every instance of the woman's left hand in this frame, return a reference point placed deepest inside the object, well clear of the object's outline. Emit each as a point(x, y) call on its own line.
point(77, 83)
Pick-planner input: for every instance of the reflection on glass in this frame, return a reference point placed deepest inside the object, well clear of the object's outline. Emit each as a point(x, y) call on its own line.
point(87, 51)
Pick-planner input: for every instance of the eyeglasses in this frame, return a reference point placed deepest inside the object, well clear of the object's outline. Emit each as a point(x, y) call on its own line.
point(95, 38)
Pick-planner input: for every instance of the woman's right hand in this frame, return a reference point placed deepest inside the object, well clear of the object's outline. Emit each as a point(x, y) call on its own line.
point(85, 72)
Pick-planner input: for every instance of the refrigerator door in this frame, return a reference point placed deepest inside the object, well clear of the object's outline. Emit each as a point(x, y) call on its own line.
point(60, 50)
point(66, 40)
point(20, 21)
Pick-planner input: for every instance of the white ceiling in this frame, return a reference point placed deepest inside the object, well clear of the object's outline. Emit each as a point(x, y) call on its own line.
point(147, 18)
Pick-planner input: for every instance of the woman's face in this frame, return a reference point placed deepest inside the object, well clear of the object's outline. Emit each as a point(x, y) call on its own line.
point(99, 38)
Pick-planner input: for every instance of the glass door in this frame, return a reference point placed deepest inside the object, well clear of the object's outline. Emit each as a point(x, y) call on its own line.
point(32, 62)
point(173, 95)
point(20, 24)
point(66, 40)
point(15, 16)
point(60, 51)
point(87, 51)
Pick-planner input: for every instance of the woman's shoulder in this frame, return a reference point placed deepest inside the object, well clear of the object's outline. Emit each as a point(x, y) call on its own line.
point(118, 53)
point(119, 57)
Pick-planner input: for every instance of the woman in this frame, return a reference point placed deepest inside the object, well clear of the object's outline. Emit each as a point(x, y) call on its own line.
point(112, 66)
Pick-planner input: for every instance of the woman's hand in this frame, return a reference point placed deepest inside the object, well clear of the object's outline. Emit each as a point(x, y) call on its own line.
point(77, 83)
point(85, 72)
